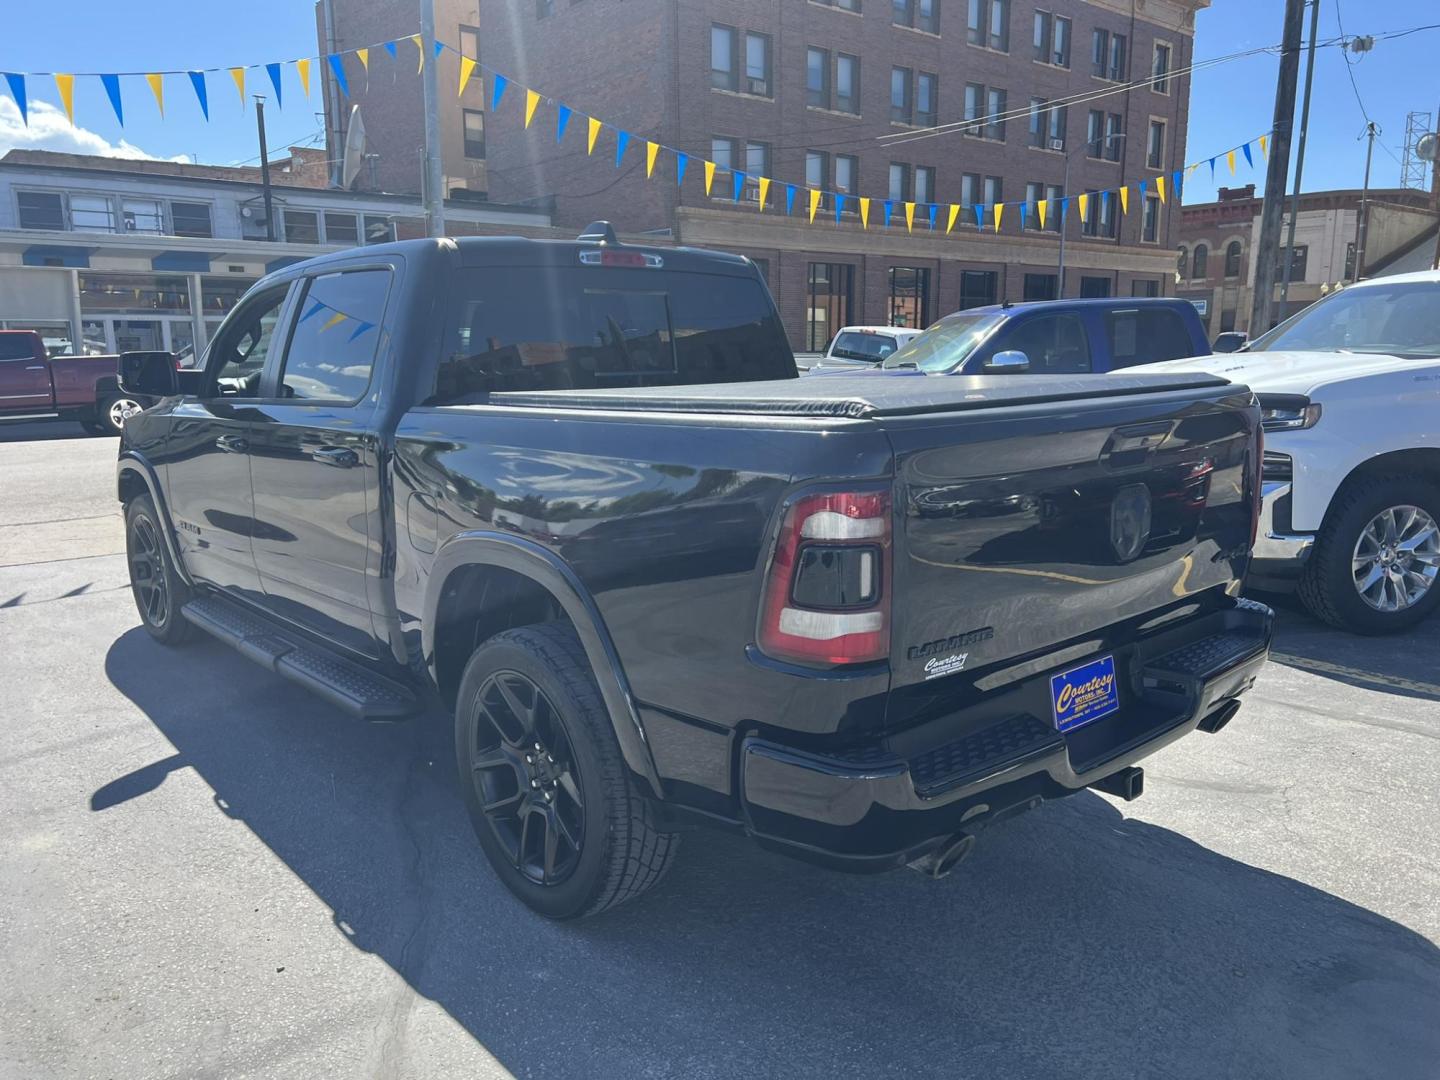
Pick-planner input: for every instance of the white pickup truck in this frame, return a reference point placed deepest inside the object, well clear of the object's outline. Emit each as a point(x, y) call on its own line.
point(1351, 392)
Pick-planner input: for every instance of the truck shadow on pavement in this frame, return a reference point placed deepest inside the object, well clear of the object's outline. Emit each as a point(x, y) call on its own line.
point(1075, 942)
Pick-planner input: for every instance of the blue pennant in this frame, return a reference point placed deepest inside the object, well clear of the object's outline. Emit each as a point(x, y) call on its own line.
point(1065, 207)
point(500, 84)
point(681, 160)
point(360, 330)
point(1212, 169)
point(839, 206)
point(562, 118)
point(197, 80)
point(789, 199)
point(934, 210)
point(979, 215)
point(1024, 207)
point(889, 209)
point(439, 48)
point(1177, 182)
point(390, 48)
point(315, 309)
point(112, 91)
point(1248, 159)
point(622, 140)
point(274, 71)
point(17, 90)
point(737, 185)
point(338, 67)
point(1142, 191)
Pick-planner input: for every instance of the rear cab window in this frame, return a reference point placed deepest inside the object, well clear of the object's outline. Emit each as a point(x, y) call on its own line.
point(1146, 335)
point(861, 345)
point(548, 327)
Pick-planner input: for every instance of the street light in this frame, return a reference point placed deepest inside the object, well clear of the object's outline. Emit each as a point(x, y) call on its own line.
point(1105, 141)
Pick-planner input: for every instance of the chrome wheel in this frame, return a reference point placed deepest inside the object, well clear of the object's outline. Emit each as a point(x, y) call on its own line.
point(147, 572)
point(523, 767)
point(1396, 559)
point(121, 409)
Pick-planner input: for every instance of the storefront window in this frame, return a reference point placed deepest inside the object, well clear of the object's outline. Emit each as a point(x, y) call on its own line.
point(909, 296)
point(134, 293)
point(220, 294)
point(829, 307)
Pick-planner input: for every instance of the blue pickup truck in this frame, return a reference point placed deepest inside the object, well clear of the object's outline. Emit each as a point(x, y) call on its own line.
point(1056, 337)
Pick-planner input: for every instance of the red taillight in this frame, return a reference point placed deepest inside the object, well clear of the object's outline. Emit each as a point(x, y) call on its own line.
point(827, 598)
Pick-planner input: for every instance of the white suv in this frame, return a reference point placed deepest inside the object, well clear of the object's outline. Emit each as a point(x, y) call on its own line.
point(863, 347)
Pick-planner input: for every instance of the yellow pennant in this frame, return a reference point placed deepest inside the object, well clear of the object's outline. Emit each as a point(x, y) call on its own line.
point(864, 213)
point(950, 221)
point(238, 74)
point(593, 133)
point(1084, 201)
point(1194, 167)
point(814, 204)
point(1160, 187)
point(909, 217)
point(652, 151)
point(334, 320)
point(1040, 207)
point(364, 55)
point(709, 175)
point(1230, 158)
point(999, 209)
point(302, 68)
point(1124, 201)
point(66, 85)
point(467, 68)
point(532, 101)
point(764, 191)
point(1265, 145)
point(419, 48)
point(157, 87)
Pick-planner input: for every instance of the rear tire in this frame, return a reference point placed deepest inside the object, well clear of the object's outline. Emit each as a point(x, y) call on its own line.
point(110, 412)
point(156, 585)
point(561, 822)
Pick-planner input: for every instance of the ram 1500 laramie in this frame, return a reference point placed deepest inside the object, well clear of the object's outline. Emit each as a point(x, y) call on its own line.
point(576, 491)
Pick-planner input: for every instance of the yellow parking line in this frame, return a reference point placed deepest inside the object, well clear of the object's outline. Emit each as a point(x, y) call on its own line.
point(1324, 667)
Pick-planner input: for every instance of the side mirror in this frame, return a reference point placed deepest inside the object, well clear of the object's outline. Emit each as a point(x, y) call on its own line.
point(1231, 341)
point(149, 374)
point(1009, 362)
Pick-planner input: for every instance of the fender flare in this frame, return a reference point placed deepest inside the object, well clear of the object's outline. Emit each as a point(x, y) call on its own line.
point(132, 462)
point(530, 560)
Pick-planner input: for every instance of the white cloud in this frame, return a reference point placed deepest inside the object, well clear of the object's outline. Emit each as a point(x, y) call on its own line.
point(49, 130)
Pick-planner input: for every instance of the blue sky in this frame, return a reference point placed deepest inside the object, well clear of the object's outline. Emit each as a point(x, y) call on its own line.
point(1228, 103)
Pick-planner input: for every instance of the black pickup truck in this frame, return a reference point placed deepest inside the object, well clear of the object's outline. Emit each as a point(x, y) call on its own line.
point(576, 491)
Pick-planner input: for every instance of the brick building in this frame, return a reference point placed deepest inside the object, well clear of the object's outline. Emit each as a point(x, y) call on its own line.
point(803, 91)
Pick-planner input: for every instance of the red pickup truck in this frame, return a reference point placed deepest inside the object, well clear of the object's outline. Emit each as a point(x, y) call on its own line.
point(82, 388)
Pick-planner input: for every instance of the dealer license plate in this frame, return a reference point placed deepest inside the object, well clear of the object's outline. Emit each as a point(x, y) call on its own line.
point(1084, 694)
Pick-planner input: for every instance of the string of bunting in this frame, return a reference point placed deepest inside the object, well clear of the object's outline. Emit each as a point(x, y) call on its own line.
point(990, 215)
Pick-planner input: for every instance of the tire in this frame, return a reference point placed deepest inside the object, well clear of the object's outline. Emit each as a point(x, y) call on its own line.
point(1329, 587)
point(154, 582)
point(110, 412)
point(534, 685)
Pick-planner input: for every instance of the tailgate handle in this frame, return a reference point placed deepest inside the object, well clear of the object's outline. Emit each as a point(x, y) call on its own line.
point(1131, 445)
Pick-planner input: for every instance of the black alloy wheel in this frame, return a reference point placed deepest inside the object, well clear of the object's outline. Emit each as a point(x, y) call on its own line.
point(159, 590)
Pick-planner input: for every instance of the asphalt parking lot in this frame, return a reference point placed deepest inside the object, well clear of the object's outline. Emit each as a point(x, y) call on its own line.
point(206, 872)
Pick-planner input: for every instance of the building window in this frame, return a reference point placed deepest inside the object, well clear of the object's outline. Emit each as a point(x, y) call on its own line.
point(909, 296)
point(914, 97)
point(924, 183)
point(1041, 287)
point(994, 190)
point(474, 127)
point(724, 152)
point(917, 14)
point(757, 64)
point(142, 216)
point(1053, 194)
point(191, 219)
point(470, 40)
point(1155, 146)
point(1150, 222)
point(985, 109)
point(1182, 261)
point(91, 213)
point(1059, 121)
point(1094, 133)
point(901, 104)
point(977, 288)
point(817, 169)
point(342, 229)
point(302, 227)
point(1052, 39)
point(1034, 192)
point(725, 60)
point(829, 307)
point(1108, 56)
point(847, 83)
point(969, 195)
point(41, 210)
point(1114, 135)
point(723, 73)
point(817, 77)
point(1232, 259)
point(134, 294)
point(1160, 69)
point(1199, 260)
point(988, 24)
point(1094, 287)
point(1299, 258)
point(1350, 260)
point(1102, 210)
point(927, 93)
point(843, 5)
point(846, 168)
point(1144, 287)
point(899, 182)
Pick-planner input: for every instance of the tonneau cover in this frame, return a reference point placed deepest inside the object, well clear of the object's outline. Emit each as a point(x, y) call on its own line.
point(863, 396)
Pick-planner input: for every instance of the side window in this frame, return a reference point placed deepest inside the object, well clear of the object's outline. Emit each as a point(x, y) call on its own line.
point(1146, 335)
point(1055, 344)
point(237, 355)
point(336, 336)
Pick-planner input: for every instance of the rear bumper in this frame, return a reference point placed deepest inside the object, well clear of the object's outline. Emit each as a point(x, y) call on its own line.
point(879, 806)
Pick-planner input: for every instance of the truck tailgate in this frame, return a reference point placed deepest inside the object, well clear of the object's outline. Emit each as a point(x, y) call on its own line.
point(1024, 533)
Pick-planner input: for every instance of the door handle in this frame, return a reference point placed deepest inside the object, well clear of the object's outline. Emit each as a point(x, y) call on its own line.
point(339, 456)
point(233, 444)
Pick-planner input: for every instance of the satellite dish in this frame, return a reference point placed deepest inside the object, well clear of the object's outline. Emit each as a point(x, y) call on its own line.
point(1426, 148)
point(354, 155)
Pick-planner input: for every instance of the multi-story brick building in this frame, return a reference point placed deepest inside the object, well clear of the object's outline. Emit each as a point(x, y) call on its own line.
point(823, 94)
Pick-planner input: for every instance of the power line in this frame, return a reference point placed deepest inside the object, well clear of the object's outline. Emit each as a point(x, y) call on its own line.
point(1349, 67)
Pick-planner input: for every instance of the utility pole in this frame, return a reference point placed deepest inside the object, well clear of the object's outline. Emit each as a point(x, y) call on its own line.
point(1362, 220)
point(434, 183)
point(1300, 155)
point(265, 168)
point(1273, 208)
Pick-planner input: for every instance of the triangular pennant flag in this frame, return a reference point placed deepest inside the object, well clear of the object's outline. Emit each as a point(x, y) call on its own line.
point(839, 206)
point(1024, 215)
point(979, 215)
point(652, 150)
point(681, 161)
point(1160, 187)
point(238, 75)
point(532, 102)
point(934, 211)
point(1040, 207)
point(66, 85)
point(467, 68)
point(390, 48)
point(789, 199)
point(592, 134)
point(1084, 201)
point(1176, 179)
point(419, 48)
point(814, 203)
point(950, 221)
point(302, 68)
point(157, 87)
point(1248, 159)
point(337, 65)
point(360, 330)
point(737, 184)
point(1230, 159)
point(1104, 205)
point(562, 120)
point(274, 72)
point(709, 176)
point(1212, 169)
point(889, 212)
point(1142, 185)
point(999, 212)
point(1064, 209)
point(16, 82)
point(864, 213)
point(622, 140)
point(111, 83)
point(315, 308)
point(439, 48)
point(363, 55)
point(764, 190)
point(909, 217)
point(500, 83)
point(197, 80)
point(334, 320)
point(1125, 199)
point(1265, 146)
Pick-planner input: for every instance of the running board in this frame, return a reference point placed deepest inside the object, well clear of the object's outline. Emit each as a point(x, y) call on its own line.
point(344, 684)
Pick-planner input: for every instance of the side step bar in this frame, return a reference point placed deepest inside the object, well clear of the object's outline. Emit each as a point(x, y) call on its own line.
point(348, 686)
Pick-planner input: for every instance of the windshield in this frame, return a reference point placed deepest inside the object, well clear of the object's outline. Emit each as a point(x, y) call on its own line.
point(945, 345)
point(1402, 319)
point(854, 345)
